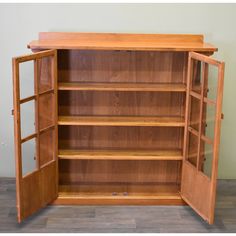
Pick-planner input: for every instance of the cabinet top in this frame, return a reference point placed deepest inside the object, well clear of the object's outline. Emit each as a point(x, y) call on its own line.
point(117, 41)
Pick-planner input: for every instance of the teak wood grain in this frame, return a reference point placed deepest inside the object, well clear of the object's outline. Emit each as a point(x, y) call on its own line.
point(201, 195)
point(119, 103)
point(77, 172)
point(120, 194)
point(121, 121)
point(119, 137)
point(91, 66)
point(151, 87)
point(120, 154)
point(39, 187)
point(113, 121)
point(111, 41)
point(111, 190)
point(115, 75)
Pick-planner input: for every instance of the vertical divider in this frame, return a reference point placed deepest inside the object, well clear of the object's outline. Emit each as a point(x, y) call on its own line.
point(200, 115)
point(36, 92)
point(203, 116)
point(17, 136)
point(206, 79)
point(55, 99)
point(220, 86)
point(187, 108)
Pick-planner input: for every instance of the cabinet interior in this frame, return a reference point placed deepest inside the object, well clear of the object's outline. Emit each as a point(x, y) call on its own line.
point(121, 123)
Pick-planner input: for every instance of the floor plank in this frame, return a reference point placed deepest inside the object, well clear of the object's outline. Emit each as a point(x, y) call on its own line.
point(119, 219)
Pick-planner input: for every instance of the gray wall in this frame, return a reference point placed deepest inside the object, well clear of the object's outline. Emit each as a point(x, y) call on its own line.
point(19, 24)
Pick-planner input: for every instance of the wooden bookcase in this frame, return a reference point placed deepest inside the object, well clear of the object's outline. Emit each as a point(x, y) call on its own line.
point(120, 119)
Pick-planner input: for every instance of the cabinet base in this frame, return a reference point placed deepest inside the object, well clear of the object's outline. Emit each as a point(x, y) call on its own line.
point(160, 200)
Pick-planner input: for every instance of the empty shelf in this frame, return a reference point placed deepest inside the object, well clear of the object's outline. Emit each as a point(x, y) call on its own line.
point(108, 188)
point(121, 194)
point(175, 154)
point(164, 87)
point(121, 121)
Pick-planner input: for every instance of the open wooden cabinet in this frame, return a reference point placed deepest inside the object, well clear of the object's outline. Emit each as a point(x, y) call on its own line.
point(119, 119)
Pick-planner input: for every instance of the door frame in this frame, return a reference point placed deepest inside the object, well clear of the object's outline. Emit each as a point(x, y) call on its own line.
point(191, 174)
point(24, 183)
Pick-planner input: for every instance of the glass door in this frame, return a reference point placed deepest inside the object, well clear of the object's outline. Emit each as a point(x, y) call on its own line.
point(35, 122)
point(202, 133)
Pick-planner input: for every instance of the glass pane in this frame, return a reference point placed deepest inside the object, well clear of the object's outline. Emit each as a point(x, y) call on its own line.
point(26, 77)
point(46, 147)
point(192, 149)
point(45, 78)
point(194, 113)
point(46, 110)
point(27, 112)
point(28, 152)
point(206, 158)
point(196, 76)
point(208, 126)
point(212, 83)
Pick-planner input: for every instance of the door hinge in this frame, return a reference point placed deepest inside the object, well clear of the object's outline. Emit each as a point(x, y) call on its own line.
point(12, 112)
point(222, 116)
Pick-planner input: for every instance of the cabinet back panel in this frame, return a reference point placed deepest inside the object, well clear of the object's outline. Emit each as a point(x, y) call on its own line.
point(121, 103)
point(120, 137)
point(121, 66)
point(92, 171)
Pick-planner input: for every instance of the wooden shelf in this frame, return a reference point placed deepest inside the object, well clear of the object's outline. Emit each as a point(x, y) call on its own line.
point(120, 154)
point(119, 193)
point(149, 87)
point(121, 121)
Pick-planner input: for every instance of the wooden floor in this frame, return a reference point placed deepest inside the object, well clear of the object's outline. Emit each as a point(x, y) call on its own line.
point(136, 219)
